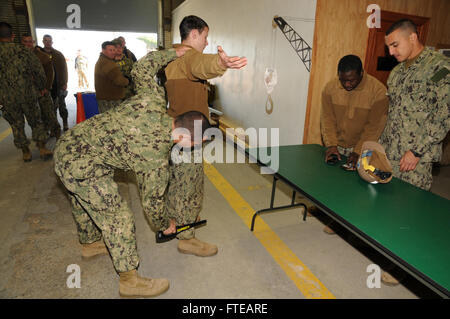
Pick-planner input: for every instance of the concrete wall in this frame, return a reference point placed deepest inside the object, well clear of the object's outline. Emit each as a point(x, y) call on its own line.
point(244, 28)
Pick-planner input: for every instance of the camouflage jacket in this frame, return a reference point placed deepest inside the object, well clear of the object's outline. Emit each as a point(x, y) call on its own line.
point(81, 63)
point(126, 65)
point(20, 73)
point(134, 136)
point(419, 107)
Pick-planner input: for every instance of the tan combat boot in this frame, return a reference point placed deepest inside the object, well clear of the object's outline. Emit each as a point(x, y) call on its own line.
point(44, 152)
point(392, 276)
point(94, 249)
point(131, 285)
point(26, 154)
point(196, 247)
point(328, 230)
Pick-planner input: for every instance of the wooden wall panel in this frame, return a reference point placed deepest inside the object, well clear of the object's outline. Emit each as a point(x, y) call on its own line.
point(341, 29)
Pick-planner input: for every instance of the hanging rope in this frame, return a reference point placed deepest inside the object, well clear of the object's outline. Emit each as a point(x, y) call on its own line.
point(270, 76)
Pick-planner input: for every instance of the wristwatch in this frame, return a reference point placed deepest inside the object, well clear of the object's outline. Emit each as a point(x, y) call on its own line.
point(416, 154)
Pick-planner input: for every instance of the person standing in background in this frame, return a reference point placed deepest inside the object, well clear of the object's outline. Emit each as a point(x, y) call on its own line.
point(126, 65)
point(59, 89)
point(81, 66)
point(21, 74)
point(110, 83)
point(45, 101)
point(126, 51)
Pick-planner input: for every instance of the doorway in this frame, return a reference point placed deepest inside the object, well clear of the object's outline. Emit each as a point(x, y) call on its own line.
point(89, 42)
point(378, 62)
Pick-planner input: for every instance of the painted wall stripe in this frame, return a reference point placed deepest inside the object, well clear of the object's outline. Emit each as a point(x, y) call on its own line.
point(303, 278)
point(5, 134)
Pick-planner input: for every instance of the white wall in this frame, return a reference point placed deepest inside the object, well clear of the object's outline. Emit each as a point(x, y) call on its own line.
point(244, 28)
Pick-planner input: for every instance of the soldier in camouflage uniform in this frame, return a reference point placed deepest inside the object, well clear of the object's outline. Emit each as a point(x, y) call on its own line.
point(21, 72)
point(419, 114)
point(136, 137)
point(126, 65)
point(81, 66)
point(419, 106)
point(45, 101)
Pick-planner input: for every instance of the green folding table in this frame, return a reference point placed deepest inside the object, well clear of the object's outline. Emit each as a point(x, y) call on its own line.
point(408, 225)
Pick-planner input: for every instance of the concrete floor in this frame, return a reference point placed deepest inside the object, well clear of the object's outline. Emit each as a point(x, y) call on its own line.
point(39, 241)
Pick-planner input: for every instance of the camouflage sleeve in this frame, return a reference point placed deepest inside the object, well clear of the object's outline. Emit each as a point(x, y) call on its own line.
point(153, 62)
point(36, 70)
point(437, 124)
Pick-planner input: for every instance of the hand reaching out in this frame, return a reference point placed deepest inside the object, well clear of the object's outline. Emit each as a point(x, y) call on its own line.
point(233, 62)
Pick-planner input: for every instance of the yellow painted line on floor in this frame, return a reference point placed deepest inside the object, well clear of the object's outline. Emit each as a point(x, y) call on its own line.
point(5, 134)
point(303, 278)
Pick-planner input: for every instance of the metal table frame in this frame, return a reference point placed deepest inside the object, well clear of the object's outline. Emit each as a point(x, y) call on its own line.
point(276, 177)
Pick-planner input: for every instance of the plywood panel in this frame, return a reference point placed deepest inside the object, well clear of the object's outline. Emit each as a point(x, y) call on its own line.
point(341, 29)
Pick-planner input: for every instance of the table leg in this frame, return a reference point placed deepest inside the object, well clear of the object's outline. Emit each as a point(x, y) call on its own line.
point(271, 208)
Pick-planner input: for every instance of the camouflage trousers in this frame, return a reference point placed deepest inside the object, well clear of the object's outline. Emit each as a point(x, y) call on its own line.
point(421, 176)
point(59, 103)
point(105, 105)
point(48, 114)
point(16, 114)
point(97, 206)
point(99, 211)
point(184, 197)
point(82, 79)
